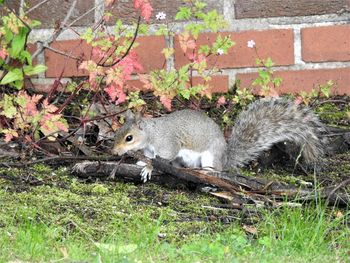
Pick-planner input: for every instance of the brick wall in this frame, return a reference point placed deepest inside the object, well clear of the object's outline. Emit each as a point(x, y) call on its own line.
point(309, 41)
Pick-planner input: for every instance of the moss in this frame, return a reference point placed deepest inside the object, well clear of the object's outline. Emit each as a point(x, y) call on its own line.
point(331, 114)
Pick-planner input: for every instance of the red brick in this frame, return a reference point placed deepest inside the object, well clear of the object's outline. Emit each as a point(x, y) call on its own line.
point(58, 64)
point(305, 80)
point(330, 43)
point(218, 83)
point(277, 44)
point(32, 48)
point(149, 52)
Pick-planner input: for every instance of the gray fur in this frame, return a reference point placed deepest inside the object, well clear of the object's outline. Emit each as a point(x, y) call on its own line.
point(265, 123)
point(270, 121)
point(185, 129)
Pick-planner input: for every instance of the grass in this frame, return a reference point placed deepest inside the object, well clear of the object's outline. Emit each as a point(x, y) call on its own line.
point(71, 221)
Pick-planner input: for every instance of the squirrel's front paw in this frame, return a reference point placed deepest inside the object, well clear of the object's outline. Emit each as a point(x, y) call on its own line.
point(146, 173)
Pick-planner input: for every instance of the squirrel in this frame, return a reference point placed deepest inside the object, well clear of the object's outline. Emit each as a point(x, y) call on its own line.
point(194, 140)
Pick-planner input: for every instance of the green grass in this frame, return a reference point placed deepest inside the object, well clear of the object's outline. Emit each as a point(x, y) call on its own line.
point(70, 221)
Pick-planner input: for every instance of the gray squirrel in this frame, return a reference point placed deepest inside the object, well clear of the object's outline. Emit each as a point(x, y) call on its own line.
point(193, 139)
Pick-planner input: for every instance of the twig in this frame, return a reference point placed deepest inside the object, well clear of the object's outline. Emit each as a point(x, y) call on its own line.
point(85, 14)
point(58, 31)
point(59, 51)
point(342, 184)
point(36, 6)
point(130, 46)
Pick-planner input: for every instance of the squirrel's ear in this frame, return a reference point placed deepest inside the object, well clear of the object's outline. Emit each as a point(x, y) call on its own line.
point(138, 117)
point(129, 116)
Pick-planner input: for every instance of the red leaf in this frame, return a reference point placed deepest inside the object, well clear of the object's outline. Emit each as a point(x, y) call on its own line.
point(145, 7)
point(29, 103)
point(221, 101)
point(298, 100)
point(166, 102)
point(186, 42)
point(130, 64)
point(116, 91)
point(3, 53)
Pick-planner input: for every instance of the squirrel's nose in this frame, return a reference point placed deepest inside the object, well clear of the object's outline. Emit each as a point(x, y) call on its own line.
point(117, 151)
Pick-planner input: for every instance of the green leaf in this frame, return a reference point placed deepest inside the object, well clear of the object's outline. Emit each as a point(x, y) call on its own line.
point(25, 55)
point(214, 21)
point(162, 31)
point(143, 29)
point(18, 84)
point(8, 110)
point(204, 49)
point(269, 63)
point(35, 23)
point(277, 81)
point(200, 5)
point(88, 36)
point(12, 76)
point(8, 35)
point(18, 42)
point(30, 70)
point(195, 29)
point(184, 13)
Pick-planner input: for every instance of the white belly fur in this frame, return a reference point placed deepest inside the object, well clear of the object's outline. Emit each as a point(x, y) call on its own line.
point(194, 159)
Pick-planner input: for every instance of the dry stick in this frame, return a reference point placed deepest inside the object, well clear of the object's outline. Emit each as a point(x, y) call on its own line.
point(36, 6)
point(60, 52)
point(187, 174)
point(342, 184)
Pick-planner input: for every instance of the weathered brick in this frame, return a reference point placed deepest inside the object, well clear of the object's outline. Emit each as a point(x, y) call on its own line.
point(125, 11)
point(276, 44)
point(330, 43)
point(53, 12)
point(9, 6)
point(306, 80)
point(32, 48)
point(61, 65)
point(275, 8)
point(149, 52)
point(218, 83)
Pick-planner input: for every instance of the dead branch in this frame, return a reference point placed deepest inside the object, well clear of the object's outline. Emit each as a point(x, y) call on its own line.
point(242, 188)
point(56, 32)
point(36, 6)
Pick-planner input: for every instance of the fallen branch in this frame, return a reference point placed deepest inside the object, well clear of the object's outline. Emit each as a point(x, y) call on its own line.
point(243, 188)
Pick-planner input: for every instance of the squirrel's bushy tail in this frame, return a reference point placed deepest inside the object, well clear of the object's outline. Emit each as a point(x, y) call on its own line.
point(270, 121)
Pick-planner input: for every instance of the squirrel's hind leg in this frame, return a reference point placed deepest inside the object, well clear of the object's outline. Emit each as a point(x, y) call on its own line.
point(207, 160)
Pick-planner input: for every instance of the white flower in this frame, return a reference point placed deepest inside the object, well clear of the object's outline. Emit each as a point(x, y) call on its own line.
point(219, 51)
point(251, 43)
point(161, 16)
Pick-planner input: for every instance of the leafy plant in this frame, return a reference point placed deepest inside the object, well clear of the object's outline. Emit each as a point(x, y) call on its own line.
point(320, 91)
point(23, 114)
point(266, 81)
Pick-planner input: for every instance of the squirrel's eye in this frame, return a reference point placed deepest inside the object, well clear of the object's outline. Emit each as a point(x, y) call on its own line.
point(128, 138)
